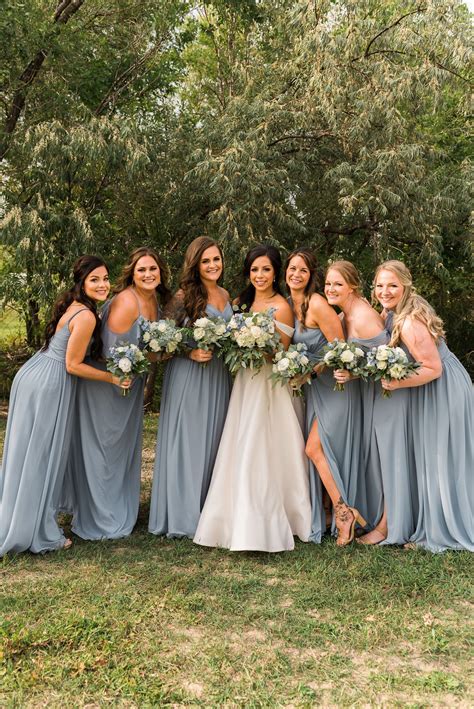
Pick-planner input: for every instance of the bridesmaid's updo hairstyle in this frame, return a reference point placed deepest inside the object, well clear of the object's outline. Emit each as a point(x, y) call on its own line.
point(314, 283)
point(125, 280)
point(81, 269)
point(193, 291)
point(247, 296)
point(349, 273)
point(411, 304)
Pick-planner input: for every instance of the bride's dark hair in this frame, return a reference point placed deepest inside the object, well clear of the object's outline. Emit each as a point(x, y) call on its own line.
point(247, 296)
point(81, 269)
point(314, 283)
point(194, 293)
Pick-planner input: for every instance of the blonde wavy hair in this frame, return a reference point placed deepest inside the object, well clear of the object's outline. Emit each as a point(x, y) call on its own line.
point(411, 304)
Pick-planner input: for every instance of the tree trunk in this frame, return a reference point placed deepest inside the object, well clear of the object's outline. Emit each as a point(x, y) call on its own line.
point(33, 332)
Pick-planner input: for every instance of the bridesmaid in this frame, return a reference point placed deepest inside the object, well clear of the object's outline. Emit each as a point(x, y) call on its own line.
point(194, 401)
point(332, 418)
point(442, 417)
point(40, 415)
point(105, 460)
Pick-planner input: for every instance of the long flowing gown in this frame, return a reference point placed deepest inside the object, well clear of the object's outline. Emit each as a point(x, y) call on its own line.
point(259, 493)
point(338, 414)
point(193, 409)
point(369, 498)
point(104, 465)
point(442, 417)
point(387, 423)
point(35, 451)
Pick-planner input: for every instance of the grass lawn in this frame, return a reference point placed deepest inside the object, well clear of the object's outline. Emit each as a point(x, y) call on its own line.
point(154, 622)
point(11, 326)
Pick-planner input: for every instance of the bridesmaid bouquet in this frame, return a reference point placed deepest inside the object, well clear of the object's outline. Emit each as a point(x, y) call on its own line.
point(250, 337)
point(208, 333)
point(160, 335)
point(126, 361)
point(344, 355)
point(294, 362)
point(385, 362)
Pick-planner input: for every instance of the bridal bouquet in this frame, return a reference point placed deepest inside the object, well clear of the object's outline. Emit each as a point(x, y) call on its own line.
point(250, 337)
point(126, 361)
point(294, 362)
point(160, 335)
point(344, 355)
point(385, 362)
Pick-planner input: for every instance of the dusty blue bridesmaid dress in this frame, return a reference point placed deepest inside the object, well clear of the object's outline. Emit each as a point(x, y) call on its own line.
point(388, 455)
point(35, 450)
point(369, 500)
point(339, 425)
point(104, 466)
point(442, 418)
point(193, 409)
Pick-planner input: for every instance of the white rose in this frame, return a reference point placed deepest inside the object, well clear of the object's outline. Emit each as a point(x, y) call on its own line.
point(178, 336)
point(382, 365)
point(283, 364)
point(139, 356)
point(201, 322)
point(256, 331)
point(261, 341)
point(199, 333)
point(304, 360)
point(347, 356)
point(329, 356)
point(146, 337)
point(359, 352)
point(171, 346)
point(154, 345)
point(125, 365)
point(292, 354)
point(382, 353)
point(248, 322)
point(161, 327)
point(220, 329)
point(396, 371)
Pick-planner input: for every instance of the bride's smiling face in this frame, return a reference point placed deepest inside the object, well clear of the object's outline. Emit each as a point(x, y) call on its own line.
point(262, 275)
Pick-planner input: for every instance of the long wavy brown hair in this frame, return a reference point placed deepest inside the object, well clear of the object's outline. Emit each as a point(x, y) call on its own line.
point(314, 283)
point(125, 280)
point(194, 298)
point(81, 269)
point(411, 304)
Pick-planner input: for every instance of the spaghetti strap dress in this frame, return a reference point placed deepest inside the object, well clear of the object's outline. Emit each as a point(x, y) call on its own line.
point(259, 493)
point(338, 414)
point(193, 410)
point(104, 465)
point(35, 451)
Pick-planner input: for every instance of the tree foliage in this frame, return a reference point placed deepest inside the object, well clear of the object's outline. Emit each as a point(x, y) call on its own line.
point(336, 123)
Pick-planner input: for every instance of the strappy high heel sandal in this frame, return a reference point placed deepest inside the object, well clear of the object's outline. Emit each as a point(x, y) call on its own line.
point(342, 512)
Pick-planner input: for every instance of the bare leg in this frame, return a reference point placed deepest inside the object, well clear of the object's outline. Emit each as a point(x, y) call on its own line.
point(345, 517)
point(378, 534)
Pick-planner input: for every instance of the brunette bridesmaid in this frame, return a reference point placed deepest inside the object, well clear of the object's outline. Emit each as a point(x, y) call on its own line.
point(195, 397)
point(40, 415)
point(106, 450)
point(440, 414)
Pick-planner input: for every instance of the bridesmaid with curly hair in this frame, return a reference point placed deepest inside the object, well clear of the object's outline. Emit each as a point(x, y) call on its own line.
point(40, 417)
point(194, 400)
point(440, 415)
point(105, 463)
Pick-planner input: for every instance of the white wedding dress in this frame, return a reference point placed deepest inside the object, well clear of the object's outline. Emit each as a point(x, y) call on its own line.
point(258, 498)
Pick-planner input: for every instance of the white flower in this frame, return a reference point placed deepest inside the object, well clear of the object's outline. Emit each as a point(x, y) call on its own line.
point(199, 332)
point(146, 337)
point(347, 356)
point(125, 365)
point(220, 328)
point(178, 336)
point(382, 365)
point(161, 327)
point(382, 353)
point(172, 346)
point(283, 364)
point(292, 355)
point(397, 371)
point(304, 360)
point(201, 322)
point(359, 352)
point(401, 354)
point(154, 345)
point(329, 356)
point(139, 355)
point(256, 331)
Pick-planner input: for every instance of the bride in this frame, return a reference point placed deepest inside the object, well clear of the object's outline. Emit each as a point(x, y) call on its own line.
point(259, 493)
